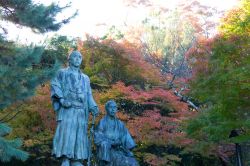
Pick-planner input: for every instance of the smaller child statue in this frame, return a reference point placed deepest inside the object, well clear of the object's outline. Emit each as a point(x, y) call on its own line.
point(113, 140)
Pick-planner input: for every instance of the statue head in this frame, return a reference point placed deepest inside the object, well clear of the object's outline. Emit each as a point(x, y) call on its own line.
point(75, 59)
point(111, 108)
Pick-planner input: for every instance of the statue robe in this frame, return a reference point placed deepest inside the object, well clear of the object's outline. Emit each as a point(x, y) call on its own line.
point(71, 139)
point(110, 130)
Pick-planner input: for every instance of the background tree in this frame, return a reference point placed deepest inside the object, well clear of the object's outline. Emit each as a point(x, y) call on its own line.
point(164, 39)
point(21, 70)
point(107, 62)
point(165, 35)
point(120, 67)
point(221, 80)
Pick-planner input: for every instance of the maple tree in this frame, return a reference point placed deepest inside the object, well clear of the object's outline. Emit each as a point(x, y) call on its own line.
point(221, 80)
point(165, 35)
point(131, 71)
point(156, 113)
point(107, 62)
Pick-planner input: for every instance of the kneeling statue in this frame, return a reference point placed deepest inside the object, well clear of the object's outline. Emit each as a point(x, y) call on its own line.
point(113, 140)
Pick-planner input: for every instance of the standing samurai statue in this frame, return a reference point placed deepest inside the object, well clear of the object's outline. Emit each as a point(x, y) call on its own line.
point(113, 140)
point(73, 101)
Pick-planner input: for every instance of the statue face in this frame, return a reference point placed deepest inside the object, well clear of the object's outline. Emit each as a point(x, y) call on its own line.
point(75, 59)
point(112, 109)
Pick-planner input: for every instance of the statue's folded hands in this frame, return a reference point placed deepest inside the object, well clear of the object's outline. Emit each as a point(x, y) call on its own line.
point(65, 103)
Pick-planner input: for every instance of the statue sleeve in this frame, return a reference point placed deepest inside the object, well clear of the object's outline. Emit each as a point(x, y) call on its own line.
point(99, 136)
point(56, 90)
point(91, 102)
point(127, 139)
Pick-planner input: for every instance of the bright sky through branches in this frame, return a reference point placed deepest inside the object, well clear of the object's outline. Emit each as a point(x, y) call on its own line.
point(97, 16)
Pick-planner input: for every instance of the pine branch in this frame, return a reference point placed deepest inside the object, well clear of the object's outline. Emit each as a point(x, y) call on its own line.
point(6, 118)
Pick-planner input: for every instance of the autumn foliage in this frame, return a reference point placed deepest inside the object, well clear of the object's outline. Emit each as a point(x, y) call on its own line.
point(221, 81)
point(166, 129)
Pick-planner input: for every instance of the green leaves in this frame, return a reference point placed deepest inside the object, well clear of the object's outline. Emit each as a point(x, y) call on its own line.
point(226, 84)
point(237, 22)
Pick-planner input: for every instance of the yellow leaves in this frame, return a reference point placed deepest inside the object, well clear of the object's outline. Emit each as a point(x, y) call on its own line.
point(237, 21)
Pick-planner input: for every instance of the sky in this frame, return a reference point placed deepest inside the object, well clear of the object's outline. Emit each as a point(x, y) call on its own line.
point(95, 17)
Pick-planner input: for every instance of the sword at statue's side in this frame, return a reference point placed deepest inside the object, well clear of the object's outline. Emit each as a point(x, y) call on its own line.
point(91, 139)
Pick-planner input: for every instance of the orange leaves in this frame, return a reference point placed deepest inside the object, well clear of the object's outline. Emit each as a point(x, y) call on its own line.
point(147, 127)
point(137, 61)
point(237, 21)
point(113, 61)
point(151, 127)
point(157, 118)
point(198, 56)
point(153, 96)
point(42, 105)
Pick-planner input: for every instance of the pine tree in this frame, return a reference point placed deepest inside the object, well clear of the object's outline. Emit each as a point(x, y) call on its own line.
point(23, 68)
